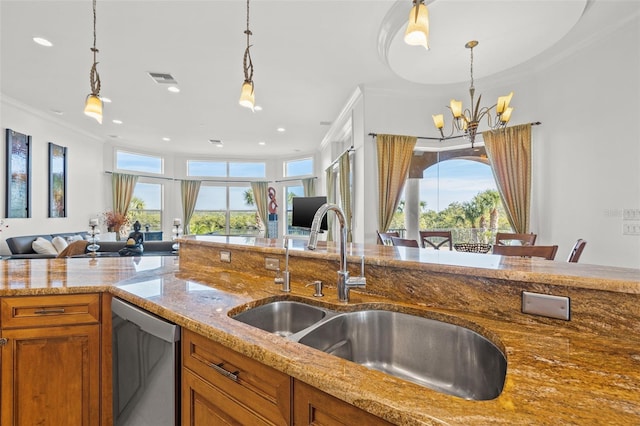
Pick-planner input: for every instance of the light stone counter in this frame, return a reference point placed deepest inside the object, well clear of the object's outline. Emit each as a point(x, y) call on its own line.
point(583, 371)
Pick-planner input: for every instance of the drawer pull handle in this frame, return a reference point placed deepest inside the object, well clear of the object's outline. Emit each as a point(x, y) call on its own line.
point(3, 341)
point(229, 375)
point(50, 311)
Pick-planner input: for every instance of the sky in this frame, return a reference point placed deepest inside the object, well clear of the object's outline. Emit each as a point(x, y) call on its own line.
point(454, 180)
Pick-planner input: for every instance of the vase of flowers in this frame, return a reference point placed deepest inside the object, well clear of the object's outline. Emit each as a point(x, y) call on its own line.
point(114, 222)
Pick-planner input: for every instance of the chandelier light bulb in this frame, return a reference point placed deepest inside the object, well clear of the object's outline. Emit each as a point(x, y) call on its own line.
point(417, 33)
point(503, 103)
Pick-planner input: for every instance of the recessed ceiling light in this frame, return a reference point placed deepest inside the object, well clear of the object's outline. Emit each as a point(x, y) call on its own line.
point(42, 41)
point(262, 143)
point(257, 108)
point(105, 100)
point(216, 142)
point(173, 89)
point(114, 136)
point(281, 129)
point(117, 121)
point(57, 111)
point(166, 139)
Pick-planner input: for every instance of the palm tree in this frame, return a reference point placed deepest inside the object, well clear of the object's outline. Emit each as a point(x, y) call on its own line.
point(472, 211)
point(490, 200)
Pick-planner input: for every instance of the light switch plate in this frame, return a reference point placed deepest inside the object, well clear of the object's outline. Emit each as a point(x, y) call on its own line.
point(546, 305)
point(225, 256)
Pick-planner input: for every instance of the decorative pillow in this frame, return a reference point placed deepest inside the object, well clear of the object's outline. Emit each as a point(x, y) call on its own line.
point(74, 248)
point(59, 243)
point(73, 238)
point(43, 246)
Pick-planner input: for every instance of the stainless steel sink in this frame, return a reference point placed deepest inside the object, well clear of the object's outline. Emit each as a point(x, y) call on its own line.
point(282, 317)
point(438, 355)
point(441, 356)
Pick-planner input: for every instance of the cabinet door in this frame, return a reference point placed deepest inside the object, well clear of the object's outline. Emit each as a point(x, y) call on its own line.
point(251, 386)
point(314, 407)
point(206, 405)
point(51, 376)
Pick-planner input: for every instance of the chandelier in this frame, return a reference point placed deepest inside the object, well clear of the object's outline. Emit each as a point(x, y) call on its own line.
point(466, 122)
point(93, 104)
point(247, 97)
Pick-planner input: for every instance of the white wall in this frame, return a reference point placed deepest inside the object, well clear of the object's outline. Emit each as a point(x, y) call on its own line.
point(84, 173)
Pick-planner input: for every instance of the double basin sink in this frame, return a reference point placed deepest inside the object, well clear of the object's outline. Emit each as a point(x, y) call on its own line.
point(441, 356)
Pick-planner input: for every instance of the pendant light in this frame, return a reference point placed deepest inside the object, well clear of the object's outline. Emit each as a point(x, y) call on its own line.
point(417, 33)
point(93, 104)
point(247, 96)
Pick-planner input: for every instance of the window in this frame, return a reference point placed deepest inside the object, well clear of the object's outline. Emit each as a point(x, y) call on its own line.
point(146, 206)
point(293, 191)
point(462, 196)
point(301, 167)
point(139, 162)
point(225, 210)
point(206, 168)
point(226, 169)
point(247, 170)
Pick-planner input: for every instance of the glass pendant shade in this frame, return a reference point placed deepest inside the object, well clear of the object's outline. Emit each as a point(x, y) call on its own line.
point(417, 33)
point(438, 121)
point(247, 98)
point(503, 103)
point(456, 108)
point(93, 108)
point(506, 115)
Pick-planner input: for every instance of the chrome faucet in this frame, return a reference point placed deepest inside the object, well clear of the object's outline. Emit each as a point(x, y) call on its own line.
point(285, 277)
point(344, 282)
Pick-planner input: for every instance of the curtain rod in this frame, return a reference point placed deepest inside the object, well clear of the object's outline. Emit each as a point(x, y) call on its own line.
point(209, 180)
point(292, 179)
point(334, 162)
point(535, 123)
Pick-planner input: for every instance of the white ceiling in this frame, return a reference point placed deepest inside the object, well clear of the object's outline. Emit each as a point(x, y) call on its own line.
point(309, 56)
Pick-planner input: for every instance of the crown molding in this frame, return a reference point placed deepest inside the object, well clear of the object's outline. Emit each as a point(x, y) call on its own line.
point(12, 102)
point(342, 124)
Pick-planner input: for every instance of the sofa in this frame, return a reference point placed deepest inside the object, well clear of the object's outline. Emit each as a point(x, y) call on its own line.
point(22, 246)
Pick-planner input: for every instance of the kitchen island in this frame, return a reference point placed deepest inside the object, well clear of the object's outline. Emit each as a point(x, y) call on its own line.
point(582, 371)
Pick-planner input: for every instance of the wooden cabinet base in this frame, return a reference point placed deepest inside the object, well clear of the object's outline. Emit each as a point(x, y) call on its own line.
point(51, 376)
point(314, 407)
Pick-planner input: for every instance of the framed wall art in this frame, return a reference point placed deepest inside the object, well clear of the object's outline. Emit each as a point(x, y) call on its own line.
point(18, 181)
point(57, 180)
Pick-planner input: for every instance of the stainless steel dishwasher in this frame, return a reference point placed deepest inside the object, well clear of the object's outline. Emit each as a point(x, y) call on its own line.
point(146, 357)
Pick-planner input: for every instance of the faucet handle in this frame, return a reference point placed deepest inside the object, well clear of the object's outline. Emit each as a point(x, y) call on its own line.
point(362, 266)
point(318, 284)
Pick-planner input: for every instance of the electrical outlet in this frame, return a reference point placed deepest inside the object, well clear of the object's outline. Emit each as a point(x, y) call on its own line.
point(272, 264)
point(631, 228)
point(225, 256)
point(631, 214)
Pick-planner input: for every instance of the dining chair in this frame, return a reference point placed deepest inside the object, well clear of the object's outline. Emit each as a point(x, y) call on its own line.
point(508, 239)
point(404, 242)
point(436, 239)
point(547, 252)
point(384, 238)
point(576, 251)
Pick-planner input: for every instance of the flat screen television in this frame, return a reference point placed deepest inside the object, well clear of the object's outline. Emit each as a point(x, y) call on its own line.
point(303, 210)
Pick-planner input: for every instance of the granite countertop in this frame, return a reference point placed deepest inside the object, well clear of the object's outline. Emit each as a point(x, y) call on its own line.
point(554, 376)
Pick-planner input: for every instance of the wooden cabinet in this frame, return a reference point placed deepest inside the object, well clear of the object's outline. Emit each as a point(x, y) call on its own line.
point(52, 369)
point(221, 386)
point(314, 407)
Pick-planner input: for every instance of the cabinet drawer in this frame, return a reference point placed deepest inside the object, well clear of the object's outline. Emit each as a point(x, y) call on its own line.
point(260, 389)
point(38, 311)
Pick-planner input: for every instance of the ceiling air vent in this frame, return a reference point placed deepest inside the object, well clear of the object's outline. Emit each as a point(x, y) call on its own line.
point(216, 142)
point(162, 78)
